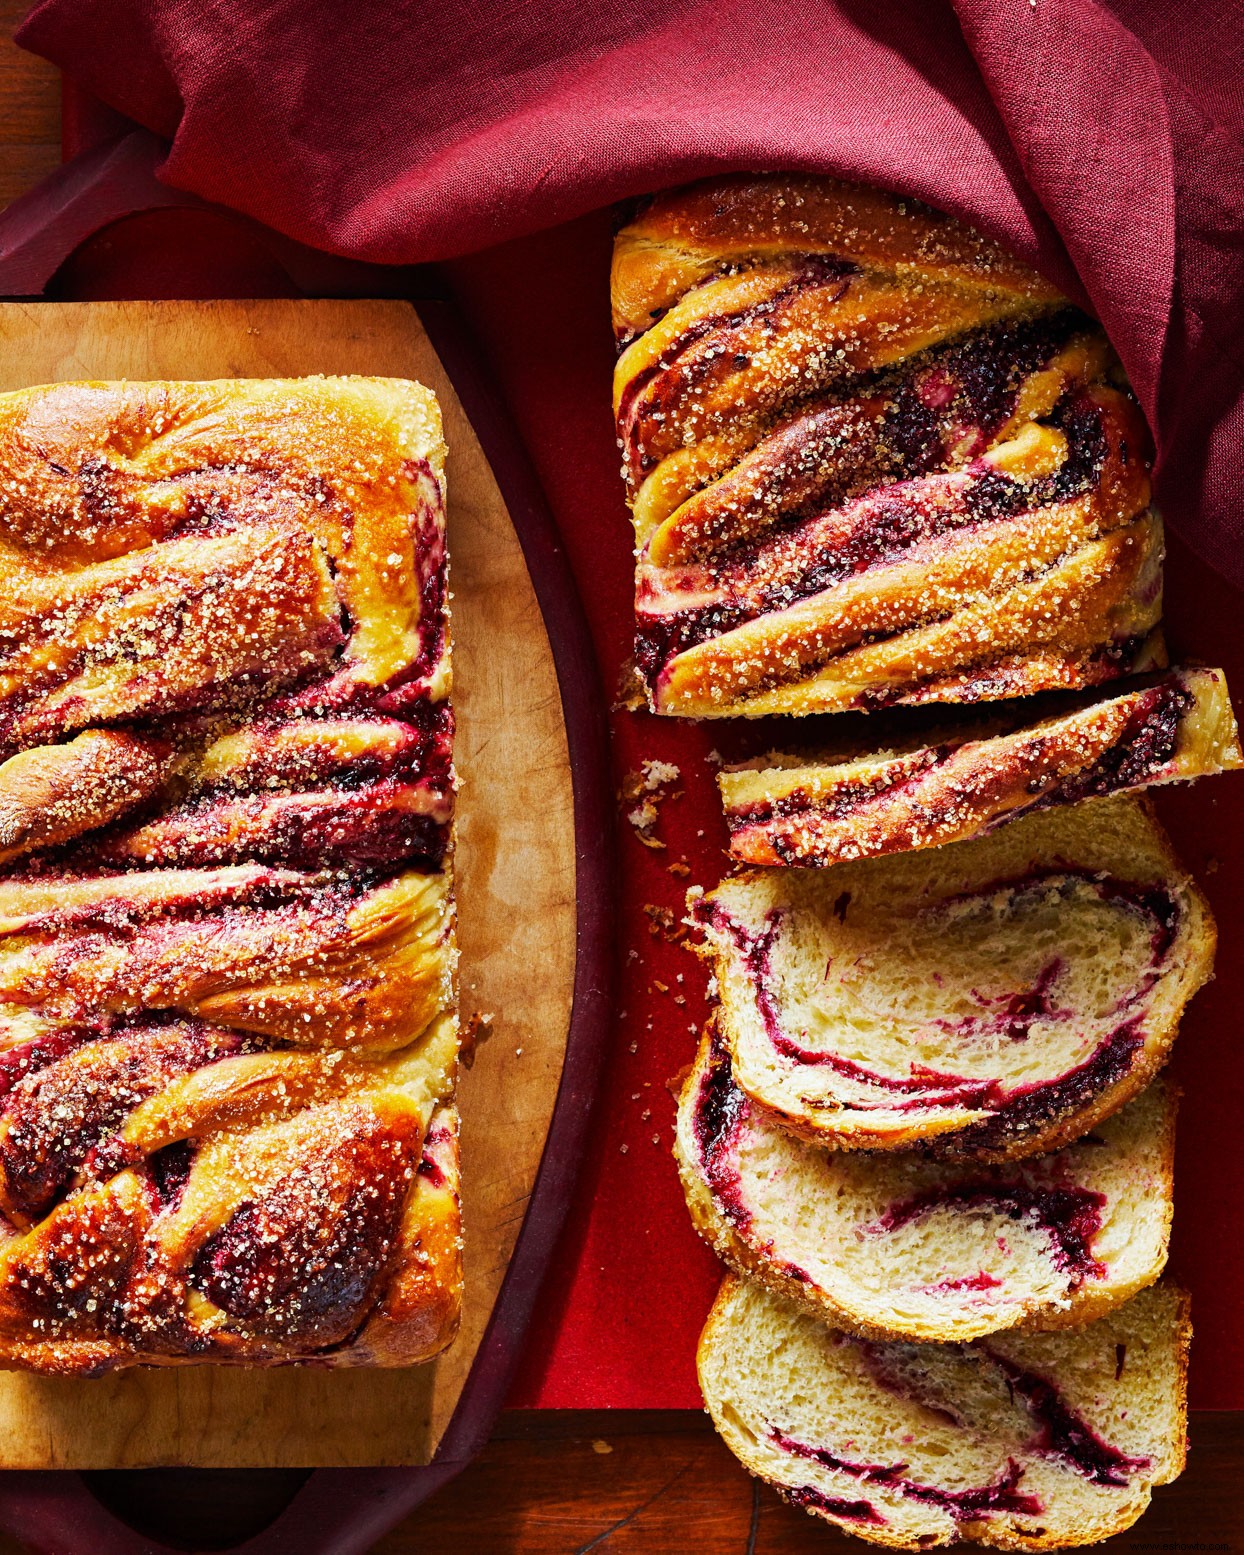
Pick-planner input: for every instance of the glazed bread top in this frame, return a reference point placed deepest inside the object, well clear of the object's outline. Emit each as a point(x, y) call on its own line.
point(226, 925)
point(871, 459)
point(682, 237)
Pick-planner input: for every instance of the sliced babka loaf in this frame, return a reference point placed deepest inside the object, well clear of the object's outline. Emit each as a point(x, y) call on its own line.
point(1023, 1441)
point(871, 459)
point(790, 810)
point(893, 1245)
point(997, 998)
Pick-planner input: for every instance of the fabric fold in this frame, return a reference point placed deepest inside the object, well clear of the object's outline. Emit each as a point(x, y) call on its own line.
point(1096, 138)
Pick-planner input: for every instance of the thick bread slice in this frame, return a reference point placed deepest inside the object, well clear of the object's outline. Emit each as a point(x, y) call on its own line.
point(1022, 1441)
point(786, 810)
point(995, 999)
point(894, 1246)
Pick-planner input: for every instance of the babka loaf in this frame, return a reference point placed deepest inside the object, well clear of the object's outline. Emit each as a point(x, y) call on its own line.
point(1022, 1441)
point(228, 1040)
point(892, 1245)
point(997, 998)
point(871, 458)
point(792, 810)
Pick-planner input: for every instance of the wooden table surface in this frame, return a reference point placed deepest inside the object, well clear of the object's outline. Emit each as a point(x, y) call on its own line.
point(619, 1483)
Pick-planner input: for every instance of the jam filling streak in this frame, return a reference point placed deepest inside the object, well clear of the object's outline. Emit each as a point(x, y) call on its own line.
point(1002, 1495)
point(1062, 1433)
point(1012, 1110)
point(1070, 1217)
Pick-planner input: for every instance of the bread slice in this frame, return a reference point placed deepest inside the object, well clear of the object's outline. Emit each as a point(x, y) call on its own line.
point(1022, 1441)
point(893, 1246)
point(995, 999)
point(787, 810)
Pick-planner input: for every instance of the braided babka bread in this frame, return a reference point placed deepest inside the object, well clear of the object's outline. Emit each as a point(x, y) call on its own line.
point(1022, 1441)
point(995, 999)
point(871, 458)
point(796, 810)
point(228, 1038)
point(894, 1246)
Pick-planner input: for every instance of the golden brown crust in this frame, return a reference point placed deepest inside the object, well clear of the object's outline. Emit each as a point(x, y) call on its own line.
point(228, 1039)
point(1176, 727)
point(685, 234)
point(871, 460)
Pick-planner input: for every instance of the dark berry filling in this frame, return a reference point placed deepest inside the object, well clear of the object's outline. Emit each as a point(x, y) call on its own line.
point(721, 1110)
point(1034, 1106)
point(981, 1501)
point(169, 1172)
point(30, 1057)
point(845, 797)
point(808, 1496)
point(970, 1282)
point(1070, 1217)
point(383, 826)
point(429, 1167)
point(1145, 745)
point(1063, 1434)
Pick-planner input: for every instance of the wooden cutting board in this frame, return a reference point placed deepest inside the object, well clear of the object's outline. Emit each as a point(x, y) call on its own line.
point(516, 906)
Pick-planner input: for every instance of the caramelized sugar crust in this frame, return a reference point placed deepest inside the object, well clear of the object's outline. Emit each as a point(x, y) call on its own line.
point(871, 459)
point(228, 1038)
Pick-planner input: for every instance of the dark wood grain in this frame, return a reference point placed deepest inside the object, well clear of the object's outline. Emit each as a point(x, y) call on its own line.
point(29, 110)
point(556, 1483)
point(662, 1483)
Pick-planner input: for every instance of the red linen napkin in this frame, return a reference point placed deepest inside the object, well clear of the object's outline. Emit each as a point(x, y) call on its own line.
point(1103, 139)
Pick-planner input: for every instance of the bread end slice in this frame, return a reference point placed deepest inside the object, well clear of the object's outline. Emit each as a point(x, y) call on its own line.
point(1164, 729)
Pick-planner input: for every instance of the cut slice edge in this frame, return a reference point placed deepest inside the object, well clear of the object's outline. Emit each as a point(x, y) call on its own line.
point(1117, 860)
point(1165, 729)
point(899, 1247)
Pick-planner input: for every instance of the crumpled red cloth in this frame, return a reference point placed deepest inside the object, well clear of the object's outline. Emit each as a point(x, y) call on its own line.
point(1103, 141)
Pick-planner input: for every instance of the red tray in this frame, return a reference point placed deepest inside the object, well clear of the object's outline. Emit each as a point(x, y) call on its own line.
point(629, 1282)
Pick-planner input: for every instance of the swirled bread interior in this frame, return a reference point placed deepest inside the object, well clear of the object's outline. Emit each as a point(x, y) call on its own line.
point(1023, 1441)
point(893, 1245)
point(996, 998)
